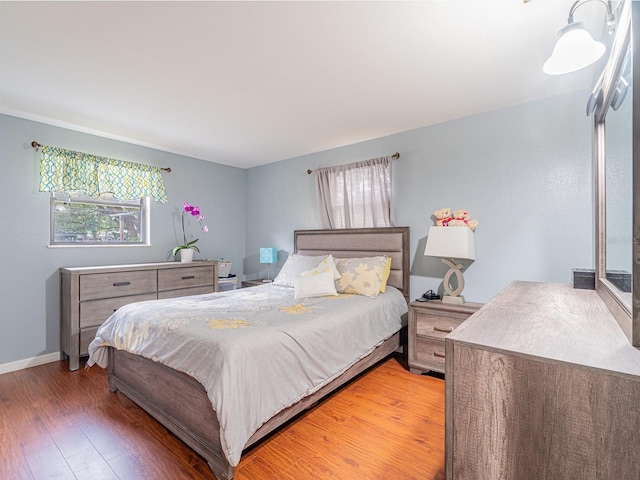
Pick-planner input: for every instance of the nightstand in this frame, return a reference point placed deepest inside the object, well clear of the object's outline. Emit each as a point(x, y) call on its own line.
point(429, 323)
point(252, 283)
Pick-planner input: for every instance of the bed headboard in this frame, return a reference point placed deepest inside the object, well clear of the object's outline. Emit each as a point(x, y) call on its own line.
point(361, 242)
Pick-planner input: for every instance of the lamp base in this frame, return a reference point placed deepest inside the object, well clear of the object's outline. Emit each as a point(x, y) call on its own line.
point(457, 300)
point(452, 295)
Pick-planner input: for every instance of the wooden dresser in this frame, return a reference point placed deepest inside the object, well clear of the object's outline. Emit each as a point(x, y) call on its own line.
point(89, 295)
point(429, 323)
point(542, 384)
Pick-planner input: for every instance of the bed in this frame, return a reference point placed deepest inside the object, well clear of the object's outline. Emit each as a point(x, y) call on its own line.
point(182, 404)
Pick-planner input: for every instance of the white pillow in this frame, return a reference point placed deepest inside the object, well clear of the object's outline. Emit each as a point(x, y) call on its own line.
point(326, 265)
point(294, 266)
point(318, 285)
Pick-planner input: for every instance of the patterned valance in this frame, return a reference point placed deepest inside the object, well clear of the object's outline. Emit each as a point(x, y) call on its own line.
point(66, 171)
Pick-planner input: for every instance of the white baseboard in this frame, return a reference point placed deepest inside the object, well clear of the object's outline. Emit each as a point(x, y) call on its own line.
point(29, 362)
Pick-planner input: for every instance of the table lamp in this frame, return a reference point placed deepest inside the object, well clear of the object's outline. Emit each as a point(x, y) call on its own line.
point(268, 256)
point(450, 243)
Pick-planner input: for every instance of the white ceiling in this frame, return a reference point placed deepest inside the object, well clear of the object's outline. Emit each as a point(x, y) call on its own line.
point(250, 83)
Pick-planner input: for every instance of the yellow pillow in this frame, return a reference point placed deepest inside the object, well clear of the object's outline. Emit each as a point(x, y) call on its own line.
point(362, 276)
point(385, 275)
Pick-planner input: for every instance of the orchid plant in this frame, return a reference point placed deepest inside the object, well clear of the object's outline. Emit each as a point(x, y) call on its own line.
point(195, 212)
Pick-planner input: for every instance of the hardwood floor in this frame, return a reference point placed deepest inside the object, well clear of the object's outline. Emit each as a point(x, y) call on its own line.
point(387, 424)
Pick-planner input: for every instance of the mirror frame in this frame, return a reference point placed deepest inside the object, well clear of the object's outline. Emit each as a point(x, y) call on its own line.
point(628, 316)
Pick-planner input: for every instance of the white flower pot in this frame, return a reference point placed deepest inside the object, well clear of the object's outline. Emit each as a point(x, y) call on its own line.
point(186, 255)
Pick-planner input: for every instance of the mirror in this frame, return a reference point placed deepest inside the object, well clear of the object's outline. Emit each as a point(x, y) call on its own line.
point(618, 184)
point(614, 142)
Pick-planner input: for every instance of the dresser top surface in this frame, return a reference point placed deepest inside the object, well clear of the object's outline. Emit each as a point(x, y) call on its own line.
point(136, 266)
point(555, 322)
point(468, 307)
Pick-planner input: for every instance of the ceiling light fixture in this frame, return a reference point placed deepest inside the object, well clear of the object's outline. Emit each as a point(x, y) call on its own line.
point(576, 48)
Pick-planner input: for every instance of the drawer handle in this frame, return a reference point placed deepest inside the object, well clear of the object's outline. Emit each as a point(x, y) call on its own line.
point(436, 353)
point(188, 277)
point(121, 284)
point(444, 330)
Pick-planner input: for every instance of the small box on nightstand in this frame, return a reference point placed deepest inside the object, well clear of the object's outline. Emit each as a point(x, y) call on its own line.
point(227, 283)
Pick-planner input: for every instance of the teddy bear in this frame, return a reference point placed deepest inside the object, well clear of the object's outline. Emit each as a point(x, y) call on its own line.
point(461, 215)
point(457, 223)
point(443, 216)
point(459, 218)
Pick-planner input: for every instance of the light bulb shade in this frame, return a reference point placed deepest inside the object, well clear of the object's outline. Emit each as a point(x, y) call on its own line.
point(451, 242)
point(575, 49)
point(268, 255)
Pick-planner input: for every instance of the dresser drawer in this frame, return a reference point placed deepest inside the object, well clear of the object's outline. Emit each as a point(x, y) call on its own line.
point(107, 285)
point(95, 312)
point(430, 353)
point(436, 325)
point(183, 292)
point(177, 278)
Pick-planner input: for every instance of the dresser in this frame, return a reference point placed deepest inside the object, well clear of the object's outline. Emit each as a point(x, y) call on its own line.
point(429, 323)
point(89, 295)
point(542, 384)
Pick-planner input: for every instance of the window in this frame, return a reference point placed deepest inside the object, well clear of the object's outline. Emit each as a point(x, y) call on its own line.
point(90, 197)
point(356, 195)
point(82, 220)
point(362, 196)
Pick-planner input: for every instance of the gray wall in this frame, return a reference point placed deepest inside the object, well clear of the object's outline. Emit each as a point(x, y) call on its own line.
point(525, 173)
point(29, 295)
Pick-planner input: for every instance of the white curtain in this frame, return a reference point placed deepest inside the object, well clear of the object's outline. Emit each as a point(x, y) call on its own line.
point(357, 195)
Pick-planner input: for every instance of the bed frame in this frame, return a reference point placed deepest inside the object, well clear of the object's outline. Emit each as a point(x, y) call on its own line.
point(187, 411)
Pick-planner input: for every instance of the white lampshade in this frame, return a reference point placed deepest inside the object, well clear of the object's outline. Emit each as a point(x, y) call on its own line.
point(575, 49)
point(451, 242)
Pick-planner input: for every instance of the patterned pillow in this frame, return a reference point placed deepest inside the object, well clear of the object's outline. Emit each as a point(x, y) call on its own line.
point(315, 285)
point(362, 276)
point(385, 275)
point(294, 266)
point(326, 265)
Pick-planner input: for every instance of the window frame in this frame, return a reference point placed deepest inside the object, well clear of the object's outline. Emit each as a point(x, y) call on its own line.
point(145, 216)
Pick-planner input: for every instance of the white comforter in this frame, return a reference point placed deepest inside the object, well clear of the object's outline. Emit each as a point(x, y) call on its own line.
point(257, 350)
